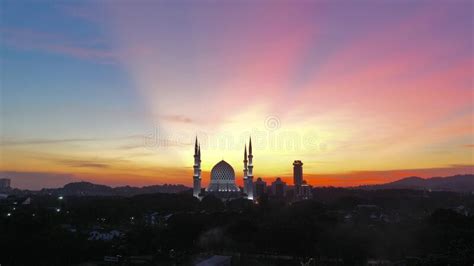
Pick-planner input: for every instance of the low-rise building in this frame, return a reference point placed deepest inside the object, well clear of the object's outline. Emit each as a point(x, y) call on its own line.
point(278, 188)
point(260, 187)
point(305, 191)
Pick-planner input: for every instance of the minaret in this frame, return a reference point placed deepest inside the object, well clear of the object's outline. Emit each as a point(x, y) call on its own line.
point(199, 156)
point(245, 170)
point(197, 170)
point(250, 173)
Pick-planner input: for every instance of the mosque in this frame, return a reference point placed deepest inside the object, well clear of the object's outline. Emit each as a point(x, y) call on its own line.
point(222, 183)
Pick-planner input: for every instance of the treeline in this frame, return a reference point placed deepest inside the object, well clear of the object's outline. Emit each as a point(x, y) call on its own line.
point(431, 229)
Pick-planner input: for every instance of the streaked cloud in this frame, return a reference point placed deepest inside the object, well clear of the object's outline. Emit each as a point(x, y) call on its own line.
point(15, 142)
point(27, 39)
point(84, 164)
point(177, 118)
point(45, 141)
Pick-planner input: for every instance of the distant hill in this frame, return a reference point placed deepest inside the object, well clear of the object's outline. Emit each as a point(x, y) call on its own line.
point(90, 189)
point(457, 183)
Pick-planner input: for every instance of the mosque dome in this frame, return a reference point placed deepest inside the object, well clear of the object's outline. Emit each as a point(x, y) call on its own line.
point(222, 178)
point(222, 171)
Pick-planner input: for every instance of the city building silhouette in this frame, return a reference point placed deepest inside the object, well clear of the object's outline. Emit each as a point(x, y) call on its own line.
point(260, 187)
point(278, 188)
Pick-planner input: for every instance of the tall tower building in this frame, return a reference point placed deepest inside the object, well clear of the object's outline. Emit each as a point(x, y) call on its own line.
point(248, 172)
point(197, 170)
point(297, 175)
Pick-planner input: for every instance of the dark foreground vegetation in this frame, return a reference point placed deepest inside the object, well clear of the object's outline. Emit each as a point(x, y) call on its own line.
point(337, 227)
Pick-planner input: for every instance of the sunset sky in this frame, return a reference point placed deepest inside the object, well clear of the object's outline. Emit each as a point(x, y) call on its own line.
point(114, 92)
